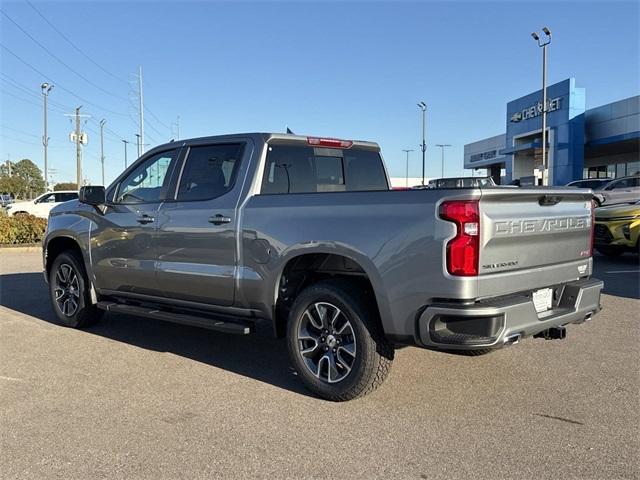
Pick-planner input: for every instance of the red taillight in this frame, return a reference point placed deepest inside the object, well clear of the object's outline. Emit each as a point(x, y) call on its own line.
point(463, 251)
point(329, 142)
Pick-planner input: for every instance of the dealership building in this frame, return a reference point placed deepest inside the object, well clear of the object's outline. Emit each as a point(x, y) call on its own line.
point(597, 143)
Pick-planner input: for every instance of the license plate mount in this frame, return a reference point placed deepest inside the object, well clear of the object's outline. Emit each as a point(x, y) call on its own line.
point(543, 299)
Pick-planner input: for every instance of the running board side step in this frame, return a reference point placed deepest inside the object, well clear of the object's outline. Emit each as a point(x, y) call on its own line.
point(182, 318)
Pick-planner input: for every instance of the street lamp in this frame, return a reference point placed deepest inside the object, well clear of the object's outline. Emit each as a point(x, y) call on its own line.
point(442, 147)
point(46, 88)
point(102, 122)
point(423, 107)
point(407, 178)
point(125, 152)
point(543, 44)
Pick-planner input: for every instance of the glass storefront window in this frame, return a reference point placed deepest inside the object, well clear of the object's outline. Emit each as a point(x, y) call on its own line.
point(611, 171)
point(633, 168)
point(621, 169)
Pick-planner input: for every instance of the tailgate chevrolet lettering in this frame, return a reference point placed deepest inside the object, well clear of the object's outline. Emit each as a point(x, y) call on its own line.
point(541, 225)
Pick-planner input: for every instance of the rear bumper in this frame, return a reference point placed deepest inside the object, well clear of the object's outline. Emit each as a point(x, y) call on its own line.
point(497, 322)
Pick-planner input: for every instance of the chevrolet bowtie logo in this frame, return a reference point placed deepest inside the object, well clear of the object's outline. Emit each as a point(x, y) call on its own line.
point(516, 117)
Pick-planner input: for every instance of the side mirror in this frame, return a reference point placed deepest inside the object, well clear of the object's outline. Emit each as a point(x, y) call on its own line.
point(92, 195)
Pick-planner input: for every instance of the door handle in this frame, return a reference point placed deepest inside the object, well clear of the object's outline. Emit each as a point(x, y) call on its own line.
point(144, 219)
point(219, 219)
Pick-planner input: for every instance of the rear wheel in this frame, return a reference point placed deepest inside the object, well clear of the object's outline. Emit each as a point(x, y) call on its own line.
point(335, 342)
point(609, 251)
point(69, 292)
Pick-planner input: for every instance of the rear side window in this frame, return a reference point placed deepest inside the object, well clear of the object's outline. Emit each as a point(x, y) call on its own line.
point(209, 171)
point(302, 169)
point(65, 197)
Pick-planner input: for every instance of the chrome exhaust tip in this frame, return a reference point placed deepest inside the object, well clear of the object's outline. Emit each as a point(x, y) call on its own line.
point(512, 339)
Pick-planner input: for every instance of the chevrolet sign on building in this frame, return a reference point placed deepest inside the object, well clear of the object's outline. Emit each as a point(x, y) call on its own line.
point(602, 142)
point(535, 110)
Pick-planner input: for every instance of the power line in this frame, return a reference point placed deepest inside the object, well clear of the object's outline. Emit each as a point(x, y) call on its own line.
point(20, 131)
point(29, 143)
point(14, 83)
point(115, 135)
point(58, 83)
point(73, 44)
point(58, 58)
point(157, 119)
point(154, 129)
point(29, 101)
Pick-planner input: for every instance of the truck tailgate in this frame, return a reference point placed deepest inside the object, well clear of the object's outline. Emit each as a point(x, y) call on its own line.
point(531, 238)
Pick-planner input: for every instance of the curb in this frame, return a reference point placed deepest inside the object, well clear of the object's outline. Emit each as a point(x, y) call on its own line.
point(16, 248)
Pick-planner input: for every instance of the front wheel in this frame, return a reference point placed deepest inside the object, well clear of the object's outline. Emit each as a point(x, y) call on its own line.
point(335, 342)
point(69, 292)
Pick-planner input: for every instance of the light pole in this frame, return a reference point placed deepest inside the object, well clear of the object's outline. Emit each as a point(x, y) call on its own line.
point(102, 122)
point(543, 44)
point(138, 144)
point(125, 152)
point(407, 178)
point(442, 147)
point(46, 88)
point(423, 107)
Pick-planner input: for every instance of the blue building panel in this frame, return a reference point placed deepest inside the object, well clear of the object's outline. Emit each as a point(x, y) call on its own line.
point(599, 142)
point(565, 126)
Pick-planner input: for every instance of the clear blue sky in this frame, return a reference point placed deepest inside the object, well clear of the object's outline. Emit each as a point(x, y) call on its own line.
point(348, 69)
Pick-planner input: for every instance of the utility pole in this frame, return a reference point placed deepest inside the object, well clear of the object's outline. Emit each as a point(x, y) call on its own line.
point(140, 98)
point(407, 171)
point(442, 147)
point(423, 107)
point(178, 125)
point(543, 45)
point(102, 122)
point(46, 88)
point(79, 138)
point(78, 149)
point(125, 153)
point(138, 144)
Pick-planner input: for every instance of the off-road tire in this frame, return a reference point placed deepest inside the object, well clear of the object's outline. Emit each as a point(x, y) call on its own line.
point(374, 354)
point(86, 314)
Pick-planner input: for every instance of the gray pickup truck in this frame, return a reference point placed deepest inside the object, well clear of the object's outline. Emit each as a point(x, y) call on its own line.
point(305, 234)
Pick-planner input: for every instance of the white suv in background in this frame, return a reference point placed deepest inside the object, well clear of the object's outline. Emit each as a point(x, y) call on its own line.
point(41, 205)
point(621, 190)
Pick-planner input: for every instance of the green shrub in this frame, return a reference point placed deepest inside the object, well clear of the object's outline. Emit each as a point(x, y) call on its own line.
point(21, 229)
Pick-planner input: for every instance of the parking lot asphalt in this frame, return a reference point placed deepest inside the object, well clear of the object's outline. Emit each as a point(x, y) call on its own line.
point(135, 398)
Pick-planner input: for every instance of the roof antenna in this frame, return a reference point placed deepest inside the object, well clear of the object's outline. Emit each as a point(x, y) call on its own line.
point(289, 131)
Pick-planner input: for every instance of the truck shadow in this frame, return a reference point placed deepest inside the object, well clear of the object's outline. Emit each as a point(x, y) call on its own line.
point(621, 275)
point(258, 356)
